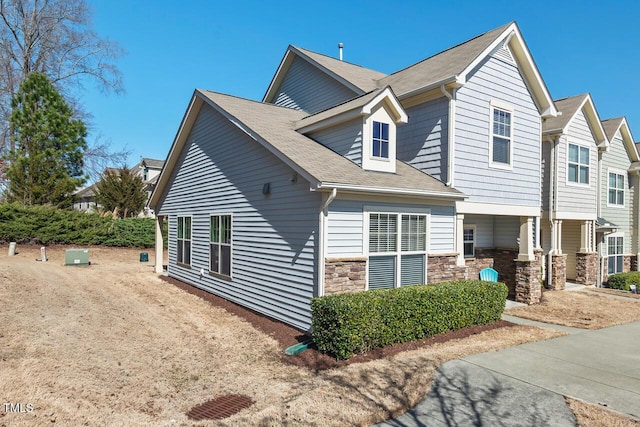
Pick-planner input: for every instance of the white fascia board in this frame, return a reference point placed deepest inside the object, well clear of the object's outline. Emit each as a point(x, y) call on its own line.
point(387, 95)
point(287, 59)
point(577, 216)
point(595, 123)
point(496, 209)
point(397, 191)
point(628, 140)
point(526, 65)
point(452, 81)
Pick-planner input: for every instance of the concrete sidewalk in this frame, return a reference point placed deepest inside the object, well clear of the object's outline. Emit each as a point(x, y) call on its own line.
point(525, 385)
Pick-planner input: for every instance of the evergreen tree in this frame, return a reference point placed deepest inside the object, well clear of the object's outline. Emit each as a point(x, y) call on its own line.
point(121, 191)
point(46, 165)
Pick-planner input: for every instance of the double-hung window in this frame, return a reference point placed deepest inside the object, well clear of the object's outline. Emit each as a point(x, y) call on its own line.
point(184, 240)
point(616, 189)
point(501, 136)
point(397, 249)
point(380, 142)
point(220, 245)
point(469, 241)
point(615, 250)
point(578, 164)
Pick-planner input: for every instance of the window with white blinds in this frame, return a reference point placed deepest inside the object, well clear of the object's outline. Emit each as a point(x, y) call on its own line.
point(397, 250)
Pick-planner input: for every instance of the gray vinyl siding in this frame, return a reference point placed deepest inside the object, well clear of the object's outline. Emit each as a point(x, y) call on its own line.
point(274, 267)
point(345, 139)
point(572, 197)
point(497, 80)
point(306, 88)
point(423, 141)
point(345, 226)
point(495, 231)
point(617, 158)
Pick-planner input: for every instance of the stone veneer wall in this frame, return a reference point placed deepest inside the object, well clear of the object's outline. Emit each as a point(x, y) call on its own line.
point(344, 275)
point(626, 261)
point(587, 268)
point(528, 283)
point(443, 268)
point(558, 272)
point(501, 260)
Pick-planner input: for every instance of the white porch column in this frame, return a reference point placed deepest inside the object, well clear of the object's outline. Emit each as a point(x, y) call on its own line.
point(585, 236)
point(526, 239)
point(559, 239)
point(159, 244)
point(460, 239)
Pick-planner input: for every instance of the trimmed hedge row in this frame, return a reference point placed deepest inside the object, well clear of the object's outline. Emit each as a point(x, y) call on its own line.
point(47, 225)
point(624, 281)
point(347, 324)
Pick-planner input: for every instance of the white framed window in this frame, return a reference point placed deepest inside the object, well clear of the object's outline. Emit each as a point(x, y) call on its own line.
point(469, 241)
point(380, 140)
point(220, 244)
point(397, 249)
point(577, 164)
point(184, 240)
point(501, 136)
point(615, 257)
point(615, 185)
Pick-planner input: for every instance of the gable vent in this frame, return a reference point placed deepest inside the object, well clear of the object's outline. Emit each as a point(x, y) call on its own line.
point(504, 54)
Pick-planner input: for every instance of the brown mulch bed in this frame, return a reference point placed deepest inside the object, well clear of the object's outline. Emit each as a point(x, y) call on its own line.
point(313, 359)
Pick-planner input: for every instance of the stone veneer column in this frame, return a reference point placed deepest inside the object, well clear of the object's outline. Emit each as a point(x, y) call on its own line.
point(444, 268)
point(587, 268)
point(528, 288)
point(558, 272)
point(344, 275)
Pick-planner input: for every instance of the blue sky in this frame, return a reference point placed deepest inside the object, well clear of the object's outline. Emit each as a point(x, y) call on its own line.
point(235, 47)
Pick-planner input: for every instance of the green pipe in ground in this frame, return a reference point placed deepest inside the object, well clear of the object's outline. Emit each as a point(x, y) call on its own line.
point(298, 348)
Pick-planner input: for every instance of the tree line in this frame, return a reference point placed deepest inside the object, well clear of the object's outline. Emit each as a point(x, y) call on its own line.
point(48, 51)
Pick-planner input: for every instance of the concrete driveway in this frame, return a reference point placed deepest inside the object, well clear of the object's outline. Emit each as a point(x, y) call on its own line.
point(525, 385)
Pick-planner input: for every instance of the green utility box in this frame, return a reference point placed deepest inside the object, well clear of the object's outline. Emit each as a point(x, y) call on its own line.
point(76, 257)
point(144, 257)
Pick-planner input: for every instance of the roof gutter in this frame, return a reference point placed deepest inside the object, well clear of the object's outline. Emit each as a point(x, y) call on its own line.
point(451, 132)
point(391, 191)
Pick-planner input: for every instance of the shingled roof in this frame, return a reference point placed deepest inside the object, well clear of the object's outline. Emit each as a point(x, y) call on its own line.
point(568, 108)
point(274, 128)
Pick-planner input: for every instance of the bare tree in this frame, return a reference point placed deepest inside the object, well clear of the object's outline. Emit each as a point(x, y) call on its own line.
point(52, 37)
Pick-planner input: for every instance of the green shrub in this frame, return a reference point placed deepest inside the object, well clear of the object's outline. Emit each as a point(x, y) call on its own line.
point(624, 281)
point(47, 225)
point(347, 324)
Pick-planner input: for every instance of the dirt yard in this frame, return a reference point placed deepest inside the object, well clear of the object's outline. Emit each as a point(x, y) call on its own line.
point(112, 344)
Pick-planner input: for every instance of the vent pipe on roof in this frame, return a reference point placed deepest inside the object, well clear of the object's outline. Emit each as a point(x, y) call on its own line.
point(340, 46)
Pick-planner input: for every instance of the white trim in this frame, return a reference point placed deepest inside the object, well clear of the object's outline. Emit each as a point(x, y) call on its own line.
point(580, 144)
point(496, 209)
point(578, 216)
point(493, 105)
point(179, 263)
point(382, 190)
point(367, 210)
point(625, 184)
point(230, 215)
point(369, 162)
point(469, 227)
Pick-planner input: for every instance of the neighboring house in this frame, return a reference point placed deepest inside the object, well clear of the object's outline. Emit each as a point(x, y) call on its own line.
point(344, 179)
point(474, 124)
point(85, 199)
point(149, 170)
point(572, 144)
point(619, 169)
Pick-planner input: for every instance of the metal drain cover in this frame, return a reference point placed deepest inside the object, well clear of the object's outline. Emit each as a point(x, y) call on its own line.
point(220, 407)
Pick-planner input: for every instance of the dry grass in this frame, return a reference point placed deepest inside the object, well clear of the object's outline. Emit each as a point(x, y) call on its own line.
point(589, 415)
point(579, 310)
point(615, 292)
point(111, 344)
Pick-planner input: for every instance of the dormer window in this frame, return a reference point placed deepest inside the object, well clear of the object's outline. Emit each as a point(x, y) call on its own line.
point(380, 147)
